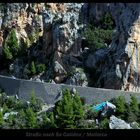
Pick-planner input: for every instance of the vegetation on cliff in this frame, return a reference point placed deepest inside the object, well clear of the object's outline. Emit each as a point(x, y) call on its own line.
point(99, 34)
point(68, 113)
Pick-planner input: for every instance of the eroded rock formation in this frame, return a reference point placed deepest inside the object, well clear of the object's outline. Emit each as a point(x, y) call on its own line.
point(60, 25)
point(119, 63)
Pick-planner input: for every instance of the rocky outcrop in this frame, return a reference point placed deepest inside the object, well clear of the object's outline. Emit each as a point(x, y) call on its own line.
point(118, 65)
point(61, 37)
point(116, 123)
point(25, 17)
point(60, 25)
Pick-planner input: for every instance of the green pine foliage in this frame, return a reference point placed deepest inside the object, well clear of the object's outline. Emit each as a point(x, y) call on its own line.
point(33, 68)
point(107, 22)
point(10, 102)
point(68, 113)
point(69, 110)
point(31, 118)
point(7, 53)
point(46, 121)
point(134, 104)
point(52, 123)
point(11, 47)
point(21, 119)
point(35, 103)
point(97, 35)
point(64, 111)
point(77, 108)
point(120, 106)
point(11, 121)
point(133, 110)
point(131, 116)
point(40, 68)
point(104, 124)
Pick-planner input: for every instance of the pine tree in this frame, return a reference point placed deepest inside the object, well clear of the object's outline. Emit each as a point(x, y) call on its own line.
point(120, 106)
point(7, 53)
point(33, 68)
point(46, 121)
point(131, 117)
point(64, 110)
point(33, 101)
point(77, 107)
point(22, 119)
point(69, 110)
point(52, 121)
point(107, 22)
point(31, 118)
point(11, 46)
point(35, 104)
point(134, 105)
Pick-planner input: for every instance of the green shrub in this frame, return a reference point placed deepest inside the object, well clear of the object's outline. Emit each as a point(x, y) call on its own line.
point(104, 124)
point(34, 68)
point(10, 102)
point(40, 68)
point(91, 114)
point(97, 37)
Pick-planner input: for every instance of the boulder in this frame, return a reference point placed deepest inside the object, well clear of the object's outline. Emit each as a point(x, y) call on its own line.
point(116, 123)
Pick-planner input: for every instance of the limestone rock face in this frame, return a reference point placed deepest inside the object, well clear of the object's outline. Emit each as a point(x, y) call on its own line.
point(60, 25)
point(119, 63)
point(25, 17)
point(61, 36)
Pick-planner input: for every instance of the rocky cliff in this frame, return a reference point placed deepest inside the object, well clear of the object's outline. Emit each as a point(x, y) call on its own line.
point(51, 33)
point(119, 63)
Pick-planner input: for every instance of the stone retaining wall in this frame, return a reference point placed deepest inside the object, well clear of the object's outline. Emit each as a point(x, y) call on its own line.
point(50, 92)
